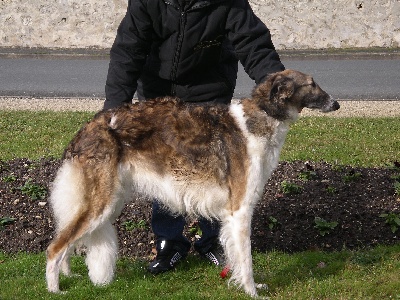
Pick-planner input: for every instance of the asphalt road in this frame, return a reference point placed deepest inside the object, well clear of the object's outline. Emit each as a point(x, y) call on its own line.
point(344, 77)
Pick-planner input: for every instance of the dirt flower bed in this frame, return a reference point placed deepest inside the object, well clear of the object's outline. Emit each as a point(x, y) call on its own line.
point(306, 206)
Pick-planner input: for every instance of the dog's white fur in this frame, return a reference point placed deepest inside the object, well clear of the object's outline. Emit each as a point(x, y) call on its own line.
point(84, 209)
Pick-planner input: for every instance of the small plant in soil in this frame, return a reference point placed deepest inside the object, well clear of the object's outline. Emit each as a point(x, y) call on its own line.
point(397, 187)
point(324, 227)
point(9, 178)
point(4, 221)
point(351, 176)
point(307, 175)
point(290, 188)
point(331, 190)
point(272, 222)
point(393, 220)
point(194, 229)
point(33, 190)
point(130, 225)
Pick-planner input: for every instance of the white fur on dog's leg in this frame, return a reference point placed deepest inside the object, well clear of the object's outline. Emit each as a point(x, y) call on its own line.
point(235, 236)
point(52, 276)
point(53, 272)
point(65, 267)
point(102, 253)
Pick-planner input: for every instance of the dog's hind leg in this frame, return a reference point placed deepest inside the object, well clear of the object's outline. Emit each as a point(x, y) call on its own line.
point(53, 271)
point(102, 252)
point(71, 220)
point(65, 267)
point(60, 246)
point(235, 237)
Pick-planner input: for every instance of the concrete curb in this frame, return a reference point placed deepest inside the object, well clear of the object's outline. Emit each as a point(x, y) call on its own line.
point(348, 108)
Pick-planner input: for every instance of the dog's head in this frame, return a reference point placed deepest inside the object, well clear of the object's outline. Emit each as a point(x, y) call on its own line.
point(284, 94)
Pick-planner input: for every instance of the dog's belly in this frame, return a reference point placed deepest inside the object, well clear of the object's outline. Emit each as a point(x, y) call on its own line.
point(181, 196)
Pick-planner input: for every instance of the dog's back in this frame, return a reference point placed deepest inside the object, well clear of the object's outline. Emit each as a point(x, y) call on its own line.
point(195, 148)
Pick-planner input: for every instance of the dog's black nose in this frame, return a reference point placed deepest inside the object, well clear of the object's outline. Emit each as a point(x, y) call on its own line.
point(336, 105)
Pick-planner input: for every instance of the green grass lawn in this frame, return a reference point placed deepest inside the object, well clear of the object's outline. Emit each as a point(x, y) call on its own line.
point(37, 134)
point(364, 274)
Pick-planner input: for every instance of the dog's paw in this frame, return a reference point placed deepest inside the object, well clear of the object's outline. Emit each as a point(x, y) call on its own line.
point(262, 286)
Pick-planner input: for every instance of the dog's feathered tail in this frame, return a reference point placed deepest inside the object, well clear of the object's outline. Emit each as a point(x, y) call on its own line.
point(84, 201)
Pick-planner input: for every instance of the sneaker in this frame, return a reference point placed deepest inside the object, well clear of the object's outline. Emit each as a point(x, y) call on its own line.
point(168, 255)
point(214, 253)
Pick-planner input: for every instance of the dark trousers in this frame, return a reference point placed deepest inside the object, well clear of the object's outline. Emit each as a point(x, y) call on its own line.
point(168, 227)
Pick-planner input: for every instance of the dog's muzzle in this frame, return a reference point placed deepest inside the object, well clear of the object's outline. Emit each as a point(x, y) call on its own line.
point(331, 106)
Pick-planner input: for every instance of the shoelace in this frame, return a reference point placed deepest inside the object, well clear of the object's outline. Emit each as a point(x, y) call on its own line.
point(177, 256)
point(212, 258)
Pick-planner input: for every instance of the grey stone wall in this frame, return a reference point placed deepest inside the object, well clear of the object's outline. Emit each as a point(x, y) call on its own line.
point(294, 24)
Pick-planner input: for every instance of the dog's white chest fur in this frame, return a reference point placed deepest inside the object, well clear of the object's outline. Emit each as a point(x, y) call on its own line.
point(263, 151)
point(179, 196)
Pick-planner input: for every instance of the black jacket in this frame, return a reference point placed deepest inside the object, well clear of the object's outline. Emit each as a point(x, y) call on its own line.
point(187, 49)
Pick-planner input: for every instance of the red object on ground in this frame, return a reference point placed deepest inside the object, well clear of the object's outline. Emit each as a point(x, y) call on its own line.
point(225, 272)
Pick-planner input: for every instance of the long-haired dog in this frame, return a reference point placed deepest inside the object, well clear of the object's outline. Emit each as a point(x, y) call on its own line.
point(208, 160)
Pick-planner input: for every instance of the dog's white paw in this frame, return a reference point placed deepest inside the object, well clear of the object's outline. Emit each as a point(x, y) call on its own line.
point(264, 287)
point(261, 286)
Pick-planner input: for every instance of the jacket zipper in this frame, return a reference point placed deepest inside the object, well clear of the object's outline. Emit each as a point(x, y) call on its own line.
point(175, 62)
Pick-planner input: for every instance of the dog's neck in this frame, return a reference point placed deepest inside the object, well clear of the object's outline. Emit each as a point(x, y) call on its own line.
point(275, 105)
point(256, 121)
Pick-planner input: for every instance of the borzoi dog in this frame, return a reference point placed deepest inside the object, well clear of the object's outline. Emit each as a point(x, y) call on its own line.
point(200, 160)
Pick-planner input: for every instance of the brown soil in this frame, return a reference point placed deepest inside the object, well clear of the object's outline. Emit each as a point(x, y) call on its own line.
point(353, 197)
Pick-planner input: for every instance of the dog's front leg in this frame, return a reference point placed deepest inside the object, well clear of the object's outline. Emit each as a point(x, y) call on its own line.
point(235, 237)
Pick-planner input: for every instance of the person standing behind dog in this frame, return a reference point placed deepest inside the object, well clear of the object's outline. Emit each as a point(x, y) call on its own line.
point(187, 49)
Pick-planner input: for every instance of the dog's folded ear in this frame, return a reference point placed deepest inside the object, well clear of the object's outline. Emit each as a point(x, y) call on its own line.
point(282, 88)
